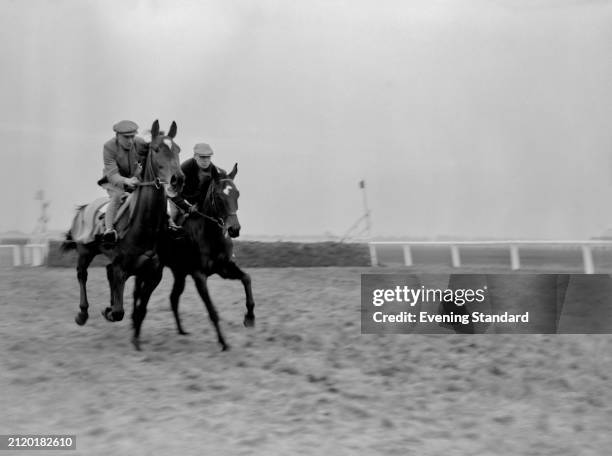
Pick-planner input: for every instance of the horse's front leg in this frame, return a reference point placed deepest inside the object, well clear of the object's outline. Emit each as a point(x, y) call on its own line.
point(231, 270)
point(177, 289)
point(83, 263)
point(138, 283)
point(117, 278)
point(200, 282)
point(146, 282)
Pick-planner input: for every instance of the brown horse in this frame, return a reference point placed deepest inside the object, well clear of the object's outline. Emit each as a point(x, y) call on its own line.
point(207, 248)
point(135, 254)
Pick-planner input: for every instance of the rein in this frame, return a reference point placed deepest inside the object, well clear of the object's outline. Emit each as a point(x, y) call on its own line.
point(219, 221)
point(156, 182)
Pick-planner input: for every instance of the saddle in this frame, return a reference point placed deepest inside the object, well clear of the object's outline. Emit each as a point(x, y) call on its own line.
point(88, 224)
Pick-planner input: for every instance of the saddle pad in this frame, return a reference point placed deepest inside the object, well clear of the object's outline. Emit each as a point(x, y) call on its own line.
point(89, 221)
point(84, 224)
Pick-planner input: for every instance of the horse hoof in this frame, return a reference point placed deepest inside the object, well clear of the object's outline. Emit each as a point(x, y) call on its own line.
point(136, 343)
point(81, 318)
point(249, 321)
point(225, 347)
point(183, 333)
point(107, 313)
point(112, 316)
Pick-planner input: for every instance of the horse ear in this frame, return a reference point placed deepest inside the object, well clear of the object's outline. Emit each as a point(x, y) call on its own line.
point(214, 172)
point(172, 132)
point(233, 172)
point(155, 129)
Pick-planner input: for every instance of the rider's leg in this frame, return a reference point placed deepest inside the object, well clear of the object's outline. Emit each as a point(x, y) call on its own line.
point(111, 212)
point(173, 215)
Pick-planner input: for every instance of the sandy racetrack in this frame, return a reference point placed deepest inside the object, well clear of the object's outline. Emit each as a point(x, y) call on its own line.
point(303, 381)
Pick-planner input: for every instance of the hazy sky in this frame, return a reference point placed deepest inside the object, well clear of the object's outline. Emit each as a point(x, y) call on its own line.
point(474, 118)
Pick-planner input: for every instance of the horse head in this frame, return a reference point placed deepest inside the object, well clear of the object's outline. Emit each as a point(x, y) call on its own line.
point(164, 159)
point(222, 200)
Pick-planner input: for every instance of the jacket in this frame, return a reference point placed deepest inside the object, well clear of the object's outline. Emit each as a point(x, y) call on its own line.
point(120, 164)
point(197, 181)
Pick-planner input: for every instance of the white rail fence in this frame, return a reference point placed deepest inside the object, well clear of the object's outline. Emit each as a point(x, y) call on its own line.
point(36, 254)
point(513, 246)
point(28, 254)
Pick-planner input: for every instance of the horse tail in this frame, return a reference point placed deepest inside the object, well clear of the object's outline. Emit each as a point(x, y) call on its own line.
point(68, 244)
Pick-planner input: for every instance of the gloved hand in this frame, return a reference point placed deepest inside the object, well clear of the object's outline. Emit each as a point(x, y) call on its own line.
point(131, 182)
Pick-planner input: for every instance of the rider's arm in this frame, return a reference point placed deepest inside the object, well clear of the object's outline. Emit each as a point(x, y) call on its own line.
point(181, 203)
point(111, 170)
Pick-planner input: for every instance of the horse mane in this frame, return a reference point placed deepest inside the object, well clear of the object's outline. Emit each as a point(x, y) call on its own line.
point(210, 195)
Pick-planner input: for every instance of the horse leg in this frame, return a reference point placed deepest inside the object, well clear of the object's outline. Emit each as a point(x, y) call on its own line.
point(117, 278)
point(138, 283)
point(84, 260)
point(145, 289)
point(200, 283)
point(232, 271)
point(177, 290)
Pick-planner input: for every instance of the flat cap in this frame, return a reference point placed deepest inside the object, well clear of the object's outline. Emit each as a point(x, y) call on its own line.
point(126, 127)
point(203, 150)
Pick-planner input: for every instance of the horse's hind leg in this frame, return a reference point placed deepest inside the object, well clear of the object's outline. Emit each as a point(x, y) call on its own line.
point(142, 293)
point(177, 290)
point(232, 271)
point(200, 283)
point(83, 262)
point(138, 284)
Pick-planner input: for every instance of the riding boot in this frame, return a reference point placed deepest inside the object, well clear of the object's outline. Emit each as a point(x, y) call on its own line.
point(176, 232)
point(110, 235)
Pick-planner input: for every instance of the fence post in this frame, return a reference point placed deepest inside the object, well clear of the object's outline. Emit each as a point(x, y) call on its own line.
point(407, 255)
point(587, 258)
point(455, 258)
point(17, 255)
point(515, 261)
point(37, 255)
point(373, 258)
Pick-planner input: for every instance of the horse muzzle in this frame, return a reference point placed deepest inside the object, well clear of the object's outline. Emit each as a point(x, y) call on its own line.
point(233, 226)
point(233, 232)
point(177, 181)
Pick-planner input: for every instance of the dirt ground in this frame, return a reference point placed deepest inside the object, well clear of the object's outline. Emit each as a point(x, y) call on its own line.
point(303, 381)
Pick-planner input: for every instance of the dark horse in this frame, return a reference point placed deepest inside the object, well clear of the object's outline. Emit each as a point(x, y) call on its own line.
point(206, 249)
point(135, 254)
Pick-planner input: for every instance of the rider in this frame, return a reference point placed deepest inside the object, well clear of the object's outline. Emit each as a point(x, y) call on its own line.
point(198, 177)
point(122, 155)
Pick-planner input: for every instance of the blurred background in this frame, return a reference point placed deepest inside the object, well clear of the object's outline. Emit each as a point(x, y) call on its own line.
point(470, 120)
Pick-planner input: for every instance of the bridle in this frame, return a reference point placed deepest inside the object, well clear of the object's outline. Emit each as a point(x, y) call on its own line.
point(219, 221)
point(156, 182)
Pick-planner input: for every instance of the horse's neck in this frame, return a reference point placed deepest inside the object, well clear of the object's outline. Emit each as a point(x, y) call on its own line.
point(203, 229)
point(149, 213)
point(207, 207)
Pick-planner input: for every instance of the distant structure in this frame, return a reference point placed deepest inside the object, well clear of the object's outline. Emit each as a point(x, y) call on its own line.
point(363, 225)
point(40, 231)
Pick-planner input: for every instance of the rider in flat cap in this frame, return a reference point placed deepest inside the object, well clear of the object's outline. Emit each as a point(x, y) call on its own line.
point(198, 177)
point(122, 156)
